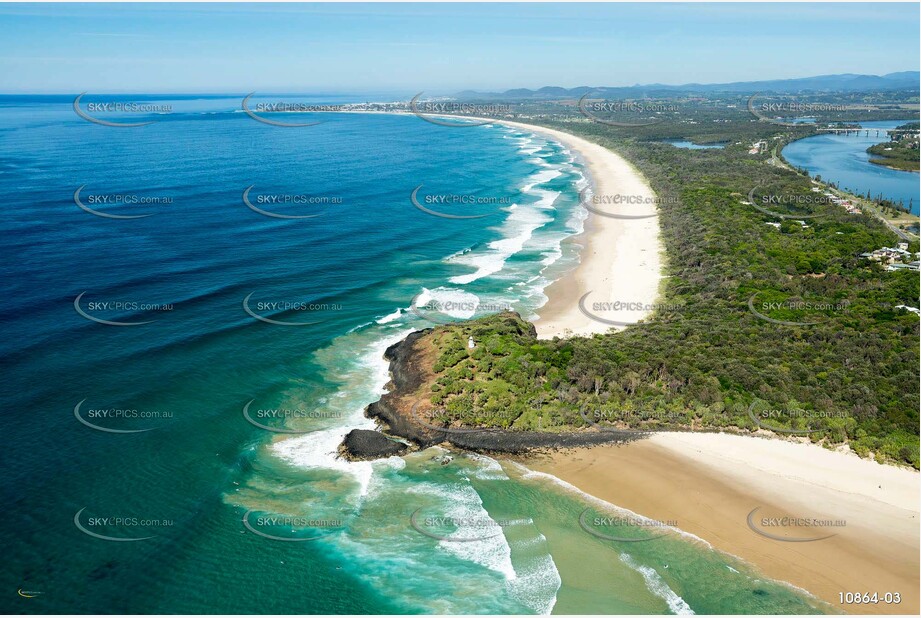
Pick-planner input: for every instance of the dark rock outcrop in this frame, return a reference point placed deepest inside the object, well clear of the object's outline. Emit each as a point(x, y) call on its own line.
point(394, 412)
point(366, 444)
point(405, 373)
point(520, 442)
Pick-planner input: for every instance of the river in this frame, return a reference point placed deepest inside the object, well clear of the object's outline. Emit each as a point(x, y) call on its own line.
point(843, 160)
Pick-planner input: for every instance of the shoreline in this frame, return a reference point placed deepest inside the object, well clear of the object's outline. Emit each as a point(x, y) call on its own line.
point(866, 205)
point(827, 184)
point(881, 163)
point(410, 383)
point(710, 483)
point(620, 259)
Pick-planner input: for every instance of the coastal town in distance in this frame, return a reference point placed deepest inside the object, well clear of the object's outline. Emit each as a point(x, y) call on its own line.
point(405, 318)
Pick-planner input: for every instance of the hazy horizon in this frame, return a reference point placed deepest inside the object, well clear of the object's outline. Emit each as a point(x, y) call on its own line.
point(364, 48)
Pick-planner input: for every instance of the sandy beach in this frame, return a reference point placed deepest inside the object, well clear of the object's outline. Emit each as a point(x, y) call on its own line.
point(620, 259)
point(731, 491)
point(711, 483)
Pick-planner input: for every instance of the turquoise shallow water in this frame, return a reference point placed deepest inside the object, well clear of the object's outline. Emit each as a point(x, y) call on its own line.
point(183, 483)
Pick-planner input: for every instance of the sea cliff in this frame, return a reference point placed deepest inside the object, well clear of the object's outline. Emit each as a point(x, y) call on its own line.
point(397, 411)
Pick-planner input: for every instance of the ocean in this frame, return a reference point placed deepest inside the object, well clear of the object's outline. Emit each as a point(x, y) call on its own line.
point(181, 363)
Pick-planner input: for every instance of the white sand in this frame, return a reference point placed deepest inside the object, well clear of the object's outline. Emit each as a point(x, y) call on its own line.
point(620, 260)
point(812, 470)
point(710, 483)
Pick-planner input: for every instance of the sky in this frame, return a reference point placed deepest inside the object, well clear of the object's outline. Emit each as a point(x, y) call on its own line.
point(365, 48)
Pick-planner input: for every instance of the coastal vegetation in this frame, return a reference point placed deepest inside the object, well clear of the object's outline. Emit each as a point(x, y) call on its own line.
point(901, 152)
point(768, 322)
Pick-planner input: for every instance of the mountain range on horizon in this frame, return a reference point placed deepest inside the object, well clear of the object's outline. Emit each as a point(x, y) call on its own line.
point(843, 82)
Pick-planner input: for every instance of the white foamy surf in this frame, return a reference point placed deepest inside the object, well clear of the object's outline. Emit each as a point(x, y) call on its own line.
point(658, 587)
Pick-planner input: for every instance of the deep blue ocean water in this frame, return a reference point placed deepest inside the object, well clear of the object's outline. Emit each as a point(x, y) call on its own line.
point(176, 489)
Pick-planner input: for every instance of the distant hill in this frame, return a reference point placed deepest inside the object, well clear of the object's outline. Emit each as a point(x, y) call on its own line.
point(845, 82)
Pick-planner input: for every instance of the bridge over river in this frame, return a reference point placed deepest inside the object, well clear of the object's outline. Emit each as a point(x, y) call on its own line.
point(866, 132)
